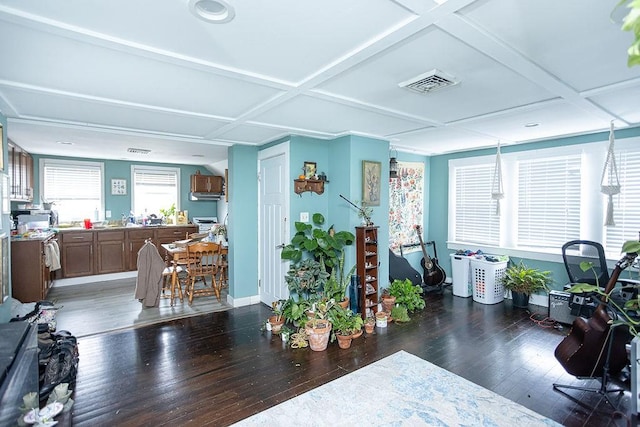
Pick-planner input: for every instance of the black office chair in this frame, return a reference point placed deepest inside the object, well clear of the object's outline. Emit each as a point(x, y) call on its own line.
point(578, 251)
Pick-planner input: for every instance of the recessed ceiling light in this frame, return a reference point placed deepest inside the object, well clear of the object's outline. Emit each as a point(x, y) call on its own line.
point(215, 11)
point(64, 142)
point(532, 125)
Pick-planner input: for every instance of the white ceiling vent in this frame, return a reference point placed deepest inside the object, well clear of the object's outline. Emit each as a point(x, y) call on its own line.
point(138, 150)
point(428, 82)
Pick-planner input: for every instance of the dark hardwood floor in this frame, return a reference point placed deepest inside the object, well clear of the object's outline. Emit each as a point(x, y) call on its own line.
point(218, 368)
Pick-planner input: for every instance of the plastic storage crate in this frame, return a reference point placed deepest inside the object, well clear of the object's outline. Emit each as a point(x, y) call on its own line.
point(462, 285)
point(487, 286)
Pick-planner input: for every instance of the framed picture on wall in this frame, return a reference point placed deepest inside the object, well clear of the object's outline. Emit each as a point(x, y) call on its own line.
point(309, 170)
point(118, 187)
point(371, 174)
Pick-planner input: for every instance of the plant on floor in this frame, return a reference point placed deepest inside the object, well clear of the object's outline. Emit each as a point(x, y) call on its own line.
point(336, 286)
point(407, 294)
point(325, 246)
point(526, 280)
point(277, 319)
point(344, 321)
point(400, 314)
point(306, 279)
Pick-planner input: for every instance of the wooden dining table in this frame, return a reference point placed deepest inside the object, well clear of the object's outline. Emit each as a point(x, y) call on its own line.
point(176, 253)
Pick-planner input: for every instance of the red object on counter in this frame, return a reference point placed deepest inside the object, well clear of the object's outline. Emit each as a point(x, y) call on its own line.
point(87, 223)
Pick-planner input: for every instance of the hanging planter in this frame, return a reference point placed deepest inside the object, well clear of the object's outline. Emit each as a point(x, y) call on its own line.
point(610, 184)
point(497, 191)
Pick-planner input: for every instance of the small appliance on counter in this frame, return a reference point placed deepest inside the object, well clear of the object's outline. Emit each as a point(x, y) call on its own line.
point(205, 223)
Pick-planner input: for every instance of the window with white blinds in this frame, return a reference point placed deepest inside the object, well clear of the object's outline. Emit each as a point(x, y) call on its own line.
point(548, 201)
point(626, 213)
point(75, 188)
point(475, 212)
point(154, 188)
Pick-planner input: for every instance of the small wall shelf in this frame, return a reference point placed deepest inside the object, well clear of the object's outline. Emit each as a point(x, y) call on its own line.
point(302, 185)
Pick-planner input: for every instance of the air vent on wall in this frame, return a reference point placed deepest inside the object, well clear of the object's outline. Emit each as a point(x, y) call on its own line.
point(138, 150)
point(428, 82)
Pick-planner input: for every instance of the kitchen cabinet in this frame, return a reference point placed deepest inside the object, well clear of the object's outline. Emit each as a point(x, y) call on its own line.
point(30, 277)
point(135, 241)
point(20, 169)
point(207, 184)
point(367, 267)
point(76, 253)
point(110, 252)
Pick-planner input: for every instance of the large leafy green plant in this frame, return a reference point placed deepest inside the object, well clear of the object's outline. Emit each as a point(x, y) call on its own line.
point(407, 294)
point(325, 246)
point(526, 280)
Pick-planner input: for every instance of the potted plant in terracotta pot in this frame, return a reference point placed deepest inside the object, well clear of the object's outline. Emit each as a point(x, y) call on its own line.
point(318, 328)
point(369, 325)
point(277, 319)
point(336, 286)
point(388, 300)
point(345, 325)
point(523, 281)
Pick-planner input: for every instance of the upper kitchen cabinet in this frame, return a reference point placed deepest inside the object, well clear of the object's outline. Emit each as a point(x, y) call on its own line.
point(20, 168)
point(206, 187)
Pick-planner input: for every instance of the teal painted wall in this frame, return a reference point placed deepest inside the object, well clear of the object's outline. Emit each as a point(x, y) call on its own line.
point(122, 204)
point(439, 188)
point(243, 221)
point(5, 308)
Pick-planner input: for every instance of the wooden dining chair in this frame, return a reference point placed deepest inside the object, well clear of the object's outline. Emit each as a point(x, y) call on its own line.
point(201, 264)
point(223, 265)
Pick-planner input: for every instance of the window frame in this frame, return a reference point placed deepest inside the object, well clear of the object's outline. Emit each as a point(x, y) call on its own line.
point(153, 168)
point(44, 162)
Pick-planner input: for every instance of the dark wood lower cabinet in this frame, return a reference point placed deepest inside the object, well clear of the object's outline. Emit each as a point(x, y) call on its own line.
point(110, 252)
point(30, 278)
point(88, 252)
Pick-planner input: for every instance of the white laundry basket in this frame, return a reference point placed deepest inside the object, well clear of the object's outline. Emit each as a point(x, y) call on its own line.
point(487, 286)
point(461, 275)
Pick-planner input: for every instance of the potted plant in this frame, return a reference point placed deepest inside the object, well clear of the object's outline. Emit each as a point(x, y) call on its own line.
point(325, 246)
point(407, 294)
point(306, 279)
point(318, 328)
point(169, 214)
point(388, 300)
point(400, 314)
point(277, 319)
point(369, 325)
point(336, 286)
point(345, 325)
point(523, 281)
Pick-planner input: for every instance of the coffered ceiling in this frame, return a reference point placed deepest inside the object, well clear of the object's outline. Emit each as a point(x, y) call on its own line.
point(102, 76)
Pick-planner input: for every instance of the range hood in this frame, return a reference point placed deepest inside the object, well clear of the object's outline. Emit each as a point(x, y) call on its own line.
point(205, 196)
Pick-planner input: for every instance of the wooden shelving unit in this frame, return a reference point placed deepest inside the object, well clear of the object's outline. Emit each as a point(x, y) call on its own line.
point(302, 185)
point(367, 267)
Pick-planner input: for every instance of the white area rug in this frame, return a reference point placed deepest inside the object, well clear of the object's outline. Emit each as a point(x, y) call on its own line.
point(406, 391)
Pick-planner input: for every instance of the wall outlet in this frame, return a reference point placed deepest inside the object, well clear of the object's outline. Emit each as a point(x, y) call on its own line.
point(107, 214)
point(304, 216)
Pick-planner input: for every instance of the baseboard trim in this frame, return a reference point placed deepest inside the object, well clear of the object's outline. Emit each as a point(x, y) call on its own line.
point(241, 302)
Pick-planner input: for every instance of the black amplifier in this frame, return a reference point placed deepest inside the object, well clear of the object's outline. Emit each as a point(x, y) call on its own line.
point(559, 307)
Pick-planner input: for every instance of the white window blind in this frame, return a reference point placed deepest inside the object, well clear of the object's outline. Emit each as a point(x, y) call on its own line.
point(626, 213)
point(75, 187)
point(548, 201)
point(155, 188)
point(475, 212)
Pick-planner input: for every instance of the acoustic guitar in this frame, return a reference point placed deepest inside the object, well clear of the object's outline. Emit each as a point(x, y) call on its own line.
point(582, 352)
point(433, 274)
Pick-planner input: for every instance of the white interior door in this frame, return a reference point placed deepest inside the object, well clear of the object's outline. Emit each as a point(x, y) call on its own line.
point(273, 167)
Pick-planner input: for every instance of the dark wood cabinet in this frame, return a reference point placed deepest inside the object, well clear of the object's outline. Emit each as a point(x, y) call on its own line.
point(367, 268)
point(76, 253)
point(110, 251)
point(20, 170)
point(87, 252)
point(207, 184)
point(30, 276)
point(135, 241)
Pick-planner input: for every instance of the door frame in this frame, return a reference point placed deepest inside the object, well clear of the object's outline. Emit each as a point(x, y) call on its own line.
point(280, 149)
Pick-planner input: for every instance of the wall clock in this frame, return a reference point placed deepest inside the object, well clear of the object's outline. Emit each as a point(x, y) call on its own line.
point(118, 187)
